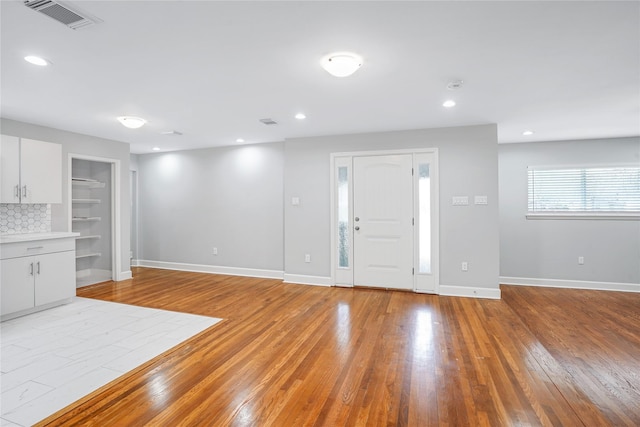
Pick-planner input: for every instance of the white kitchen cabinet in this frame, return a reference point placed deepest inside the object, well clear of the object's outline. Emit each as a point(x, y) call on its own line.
point(31, 171)
point(9, 169)
point(36, 274)
point(18, 290)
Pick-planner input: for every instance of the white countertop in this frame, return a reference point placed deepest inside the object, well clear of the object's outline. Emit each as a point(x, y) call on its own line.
point(29, 237)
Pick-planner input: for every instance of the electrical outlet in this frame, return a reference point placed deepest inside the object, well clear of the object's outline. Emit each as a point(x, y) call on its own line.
point(215, 251)
point(581, 260)
point(465, 266)
point(307, 257)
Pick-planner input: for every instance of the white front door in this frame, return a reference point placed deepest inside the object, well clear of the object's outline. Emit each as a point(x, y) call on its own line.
point(383, 221)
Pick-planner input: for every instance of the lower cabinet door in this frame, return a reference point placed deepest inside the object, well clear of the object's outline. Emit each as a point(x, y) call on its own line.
point(55, 277)
point(17, 289)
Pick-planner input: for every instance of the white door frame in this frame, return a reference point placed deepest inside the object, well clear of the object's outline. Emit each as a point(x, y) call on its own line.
point(116, 250)
point(338, 159)
point(134, 218)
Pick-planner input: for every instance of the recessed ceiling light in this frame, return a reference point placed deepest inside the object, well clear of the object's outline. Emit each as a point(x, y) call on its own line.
point(449, 103)
point(36, 60)
point(239, 140)
point(341, 64)
point(132, 122)
point(301, 116)
point(527, 133)
point(156, 148)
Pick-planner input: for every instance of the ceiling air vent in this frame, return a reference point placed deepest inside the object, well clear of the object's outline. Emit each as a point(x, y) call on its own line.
point(268, 121)
point(62, 13)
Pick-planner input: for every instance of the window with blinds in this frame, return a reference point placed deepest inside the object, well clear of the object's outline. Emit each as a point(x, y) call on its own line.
point(607, 191)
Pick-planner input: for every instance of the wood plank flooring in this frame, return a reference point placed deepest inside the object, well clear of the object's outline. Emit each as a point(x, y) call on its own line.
point(295, 355)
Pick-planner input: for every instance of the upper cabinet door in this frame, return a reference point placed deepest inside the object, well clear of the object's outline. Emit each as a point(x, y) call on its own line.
point(41, 171)
point(9, 169)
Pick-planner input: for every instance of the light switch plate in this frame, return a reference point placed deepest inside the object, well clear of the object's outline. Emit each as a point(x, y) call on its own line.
point(460, 201)
point(481, 200)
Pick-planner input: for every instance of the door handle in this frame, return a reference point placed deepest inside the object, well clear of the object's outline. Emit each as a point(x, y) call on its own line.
point(17, 191)
point(357, 228)
point(31, 269)
point(24, 191)
point(38, 269)
point(357, 219)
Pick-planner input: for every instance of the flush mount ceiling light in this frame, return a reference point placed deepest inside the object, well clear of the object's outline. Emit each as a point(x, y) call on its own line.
point(527, 133)
point(449, 103)
point(36, 60)
point(239, 140)
point(132, 122)
point(341, 64)
point(301, 116)
point(156, 148)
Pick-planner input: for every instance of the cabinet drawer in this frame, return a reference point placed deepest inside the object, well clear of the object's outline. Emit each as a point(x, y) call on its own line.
point(36, 247)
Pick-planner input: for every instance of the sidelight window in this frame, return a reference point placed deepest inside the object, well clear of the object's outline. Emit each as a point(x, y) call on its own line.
point(424, 219)
point(343, 217)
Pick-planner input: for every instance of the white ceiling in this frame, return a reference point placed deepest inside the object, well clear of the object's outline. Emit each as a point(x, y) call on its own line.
point(211, 70)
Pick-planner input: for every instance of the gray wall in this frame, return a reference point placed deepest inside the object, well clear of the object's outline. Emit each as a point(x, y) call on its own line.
point(549, 249)
point(229, 198)
point(133, 162)
point(85, 145)
point(468, 162)
point(238, 200)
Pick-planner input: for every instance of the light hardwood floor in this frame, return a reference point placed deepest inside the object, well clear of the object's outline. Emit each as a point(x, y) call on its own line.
point(295, 355)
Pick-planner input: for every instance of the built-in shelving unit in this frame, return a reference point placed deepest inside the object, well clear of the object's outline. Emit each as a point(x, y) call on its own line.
point(91, 217)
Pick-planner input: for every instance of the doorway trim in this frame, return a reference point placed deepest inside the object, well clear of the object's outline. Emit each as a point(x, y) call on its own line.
point(134, 223)
point(335, 159)
point(116, 250)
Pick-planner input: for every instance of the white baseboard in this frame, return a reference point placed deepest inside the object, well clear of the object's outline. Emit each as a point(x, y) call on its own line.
point(35, 309)
point(215, 269)
point(464, 291)
point(124, 275)
point(135, 262)
point(571, 284)
point(302, 279)
point(91, 276)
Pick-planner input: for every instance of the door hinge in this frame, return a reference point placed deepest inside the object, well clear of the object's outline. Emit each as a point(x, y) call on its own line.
point(413, 221)
point(413, 271)
point(411, 171)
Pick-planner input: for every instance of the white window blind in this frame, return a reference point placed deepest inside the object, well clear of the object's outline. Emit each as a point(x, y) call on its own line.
point(588, 190)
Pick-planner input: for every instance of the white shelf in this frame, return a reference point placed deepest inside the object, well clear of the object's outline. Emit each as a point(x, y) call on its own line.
point(85, 218)
point(94, 254)
point(94, 236)
point(86, 183)
point(86, 201)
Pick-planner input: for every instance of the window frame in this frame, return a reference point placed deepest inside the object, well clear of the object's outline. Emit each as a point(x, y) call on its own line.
point(597, 215)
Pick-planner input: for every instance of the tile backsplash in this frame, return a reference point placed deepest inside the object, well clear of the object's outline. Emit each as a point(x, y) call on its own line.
point(19, 218)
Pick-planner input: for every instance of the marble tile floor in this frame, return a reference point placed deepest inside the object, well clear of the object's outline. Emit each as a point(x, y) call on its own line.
point(50, 359)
